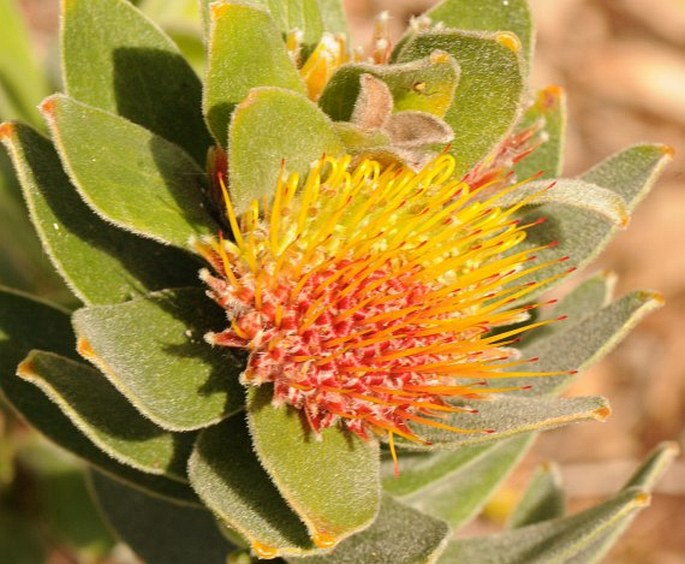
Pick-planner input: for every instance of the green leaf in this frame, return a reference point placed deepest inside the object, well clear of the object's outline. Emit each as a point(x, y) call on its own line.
point(548, 110)
point(66, 505)
point(487, 100)
point(581, 538)
point(131, 177)
point(426, 85)
point(488, 15)
point(581, 233)
point(577, 195)
point(20, 315)
point(245, 50)
point(226, 474)
point(577, 346)
point(158, 531)
point(152, 350)
point(644, 478)
point(117, 60)
point(43, 415)
point(333, 14)
point(22, 82)
point(103, 415)
point(332, 482)
point(588, 297)
point(543, 499)
point(631, 172)
point(303, 15)
point(454, 486)
point(399, 534)
point(78, 242)
point(299, 134)
point(559, 540)
point(509, 415)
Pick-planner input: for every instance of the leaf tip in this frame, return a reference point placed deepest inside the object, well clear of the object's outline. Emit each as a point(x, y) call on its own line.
point(47, 106)
point(323, 539)
point(509, 40)
point(548, 98)
point(7, 130)
point(656, 298)
point(84, 348)
point(264, 551)
point(218, 9)
point(642, 499)
point(439, 57)
point(668, 151)
point(26, 369)
point(602, 413)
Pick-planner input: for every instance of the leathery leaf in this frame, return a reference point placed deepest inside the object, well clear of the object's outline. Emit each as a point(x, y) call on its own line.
point(332, 483)
point(152, 350)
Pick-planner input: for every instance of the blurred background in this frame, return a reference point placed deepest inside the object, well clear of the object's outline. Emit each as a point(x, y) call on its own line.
point(622, 64)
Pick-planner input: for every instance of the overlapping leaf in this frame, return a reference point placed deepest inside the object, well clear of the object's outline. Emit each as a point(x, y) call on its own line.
point(487, 100)
point(103, 415)
point(116, 59)
point(152, 350)
point(100, 263)
point(334, 500)
point(543, 499)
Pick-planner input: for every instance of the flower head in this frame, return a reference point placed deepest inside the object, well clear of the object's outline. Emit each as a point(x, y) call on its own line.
point(368, 295)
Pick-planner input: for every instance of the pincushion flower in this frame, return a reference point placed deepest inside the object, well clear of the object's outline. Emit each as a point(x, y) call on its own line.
point(373, 237)
point(369, 295)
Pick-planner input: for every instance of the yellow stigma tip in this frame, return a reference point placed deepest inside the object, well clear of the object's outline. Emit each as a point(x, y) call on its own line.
point(509, 40)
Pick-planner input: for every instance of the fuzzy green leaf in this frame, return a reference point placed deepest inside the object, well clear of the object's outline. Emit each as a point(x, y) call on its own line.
point(22, 83)
point(425, 85)
point(131, 177)
point(331, 483)
point(644, 478)
point(246, 50)
point(100, 263)
point(454, 486)
point(158, 531)
point(509, 415)
point(117, 60)
point(399, 534)
point(631, 172)
point(487, 100)
point(548, 111)
point(580, 232)
point(300, 134)
point(226, 474)
point(152, 350)
point(333, 14)
point(577, 195)
point(559, 540)
point(579, 345)
point(103, 415)
point(488, 15)
point(588, 297)
point(581, 538)
point(303, 15)
point(543, 499)
point(19, 317)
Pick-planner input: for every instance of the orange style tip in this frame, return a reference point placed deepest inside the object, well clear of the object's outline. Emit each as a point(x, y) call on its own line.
point(473, 411)
point(551, 302)
point(562, 318)
point(7, 129)
point(489, 431)
point(572, 372)
point(526, 388)
point(552, 244)
point(571, 270)
point(533, 359)
point(564, 258)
